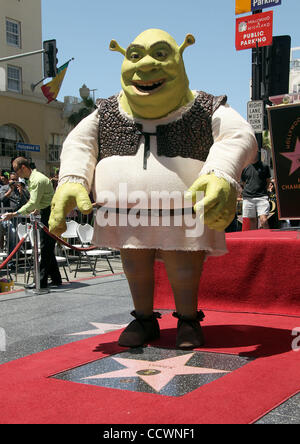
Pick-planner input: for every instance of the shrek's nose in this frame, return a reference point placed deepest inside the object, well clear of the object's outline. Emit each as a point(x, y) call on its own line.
point(147, 64)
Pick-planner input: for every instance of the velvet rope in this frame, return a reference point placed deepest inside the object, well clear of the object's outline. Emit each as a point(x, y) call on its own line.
point(13, 252)
point(61, 241)
point(58, 239)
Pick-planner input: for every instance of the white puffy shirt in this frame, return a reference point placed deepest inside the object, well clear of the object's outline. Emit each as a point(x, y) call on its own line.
point(233, 149)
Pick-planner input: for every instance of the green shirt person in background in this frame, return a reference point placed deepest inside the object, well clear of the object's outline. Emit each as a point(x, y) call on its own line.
point(41, 194)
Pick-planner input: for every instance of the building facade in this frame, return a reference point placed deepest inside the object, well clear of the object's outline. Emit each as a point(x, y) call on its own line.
point(295, 71)
point(28, 125)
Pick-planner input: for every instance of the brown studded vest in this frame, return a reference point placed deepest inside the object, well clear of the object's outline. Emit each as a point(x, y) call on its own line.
point(190, 136)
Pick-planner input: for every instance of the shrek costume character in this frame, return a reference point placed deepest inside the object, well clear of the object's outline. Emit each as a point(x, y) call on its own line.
point(157, 136)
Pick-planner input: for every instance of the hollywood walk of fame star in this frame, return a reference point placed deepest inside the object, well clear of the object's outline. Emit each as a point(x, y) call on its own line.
point(157, 374)
point(294, 157)
point(100, 329)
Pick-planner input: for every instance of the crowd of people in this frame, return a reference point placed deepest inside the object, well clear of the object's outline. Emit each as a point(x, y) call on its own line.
point(13, 195)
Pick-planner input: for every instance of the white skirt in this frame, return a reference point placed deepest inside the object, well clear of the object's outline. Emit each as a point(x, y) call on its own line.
point(160, 232)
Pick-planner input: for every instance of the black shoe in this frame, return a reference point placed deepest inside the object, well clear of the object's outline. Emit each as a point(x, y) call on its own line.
point(189, 331)
point(32, 286)
point(55, 280)
point(140, 331)
point(55, 284)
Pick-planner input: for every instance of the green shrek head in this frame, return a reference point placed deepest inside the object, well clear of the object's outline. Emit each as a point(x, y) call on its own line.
point(153, 76)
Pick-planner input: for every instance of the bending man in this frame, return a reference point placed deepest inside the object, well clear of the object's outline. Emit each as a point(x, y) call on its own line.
point(41, 194)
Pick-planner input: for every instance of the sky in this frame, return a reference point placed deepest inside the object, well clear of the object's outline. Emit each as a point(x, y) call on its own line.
point(83, 30)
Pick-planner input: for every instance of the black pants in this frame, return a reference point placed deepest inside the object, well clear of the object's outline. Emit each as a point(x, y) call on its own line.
point(48, 265)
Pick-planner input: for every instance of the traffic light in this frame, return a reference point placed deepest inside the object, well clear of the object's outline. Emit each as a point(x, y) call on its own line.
point(276, 66)
point(50, 60)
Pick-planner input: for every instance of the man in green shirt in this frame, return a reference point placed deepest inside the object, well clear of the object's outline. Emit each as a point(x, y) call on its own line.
point(41, 194)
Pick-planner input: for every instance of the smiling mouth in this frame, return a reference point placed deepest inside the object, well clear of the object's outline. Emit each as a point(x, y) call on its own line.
point(148, 87)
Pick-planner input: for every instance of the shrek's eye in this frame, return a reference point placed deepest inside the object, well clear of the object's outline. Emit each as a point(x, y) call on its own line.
point(135, 56)
point(161, 54)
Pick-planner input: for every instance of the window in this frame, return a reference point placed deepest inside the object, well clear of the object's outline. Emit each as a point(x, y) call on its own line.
point(14, 79)
point(54, 147)
point(295, 65)
point(296, 88)
point(13, 33)
point(9, 137)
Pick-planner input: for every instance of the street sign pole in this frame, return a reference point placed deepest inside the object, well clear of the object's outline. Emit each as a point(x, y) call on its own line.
point(256, 32)
point(257, 63)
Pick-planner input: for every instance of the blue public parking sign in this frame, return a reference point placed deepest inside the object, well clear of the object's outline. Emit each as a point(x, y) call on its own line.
point(261, 4)
point(242, 6)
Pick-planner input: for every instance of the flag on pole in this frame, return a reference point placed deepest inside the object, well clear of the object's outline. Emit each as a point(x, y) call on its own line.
point(51, 89)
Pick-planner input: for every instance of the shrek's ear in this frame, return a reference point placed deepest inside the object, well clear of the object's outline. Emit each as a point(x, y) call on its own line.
point(188, 41)
point(114, 46)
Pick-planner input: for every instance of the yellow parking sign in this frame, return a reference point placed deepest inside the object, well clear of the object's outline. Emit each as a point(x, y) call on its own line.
point(242, 6)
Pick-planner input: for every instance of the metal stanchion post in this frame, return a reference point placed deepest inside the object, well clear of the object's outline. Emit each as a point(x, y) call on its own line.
point(34, 221)
point(7, 246)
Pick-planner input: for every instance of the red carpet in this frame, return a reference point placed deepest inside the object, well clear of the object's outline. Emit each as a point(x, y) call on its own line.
point(251, 301)
point(261, 273)
point(28, 395)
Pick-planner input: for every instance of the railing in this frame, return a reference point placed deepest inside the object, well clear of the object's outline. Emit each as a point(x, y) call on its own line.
point(12, 246)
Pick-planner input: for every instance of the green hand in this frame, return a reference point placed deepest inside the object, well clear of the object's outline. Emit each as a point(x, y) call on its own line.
point(219, 201)
point(66, 198)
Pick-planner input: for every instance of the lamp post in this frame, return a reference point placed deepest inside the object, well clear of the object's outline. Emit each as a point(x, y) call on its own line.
point(84, 92)
point(257, 64)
